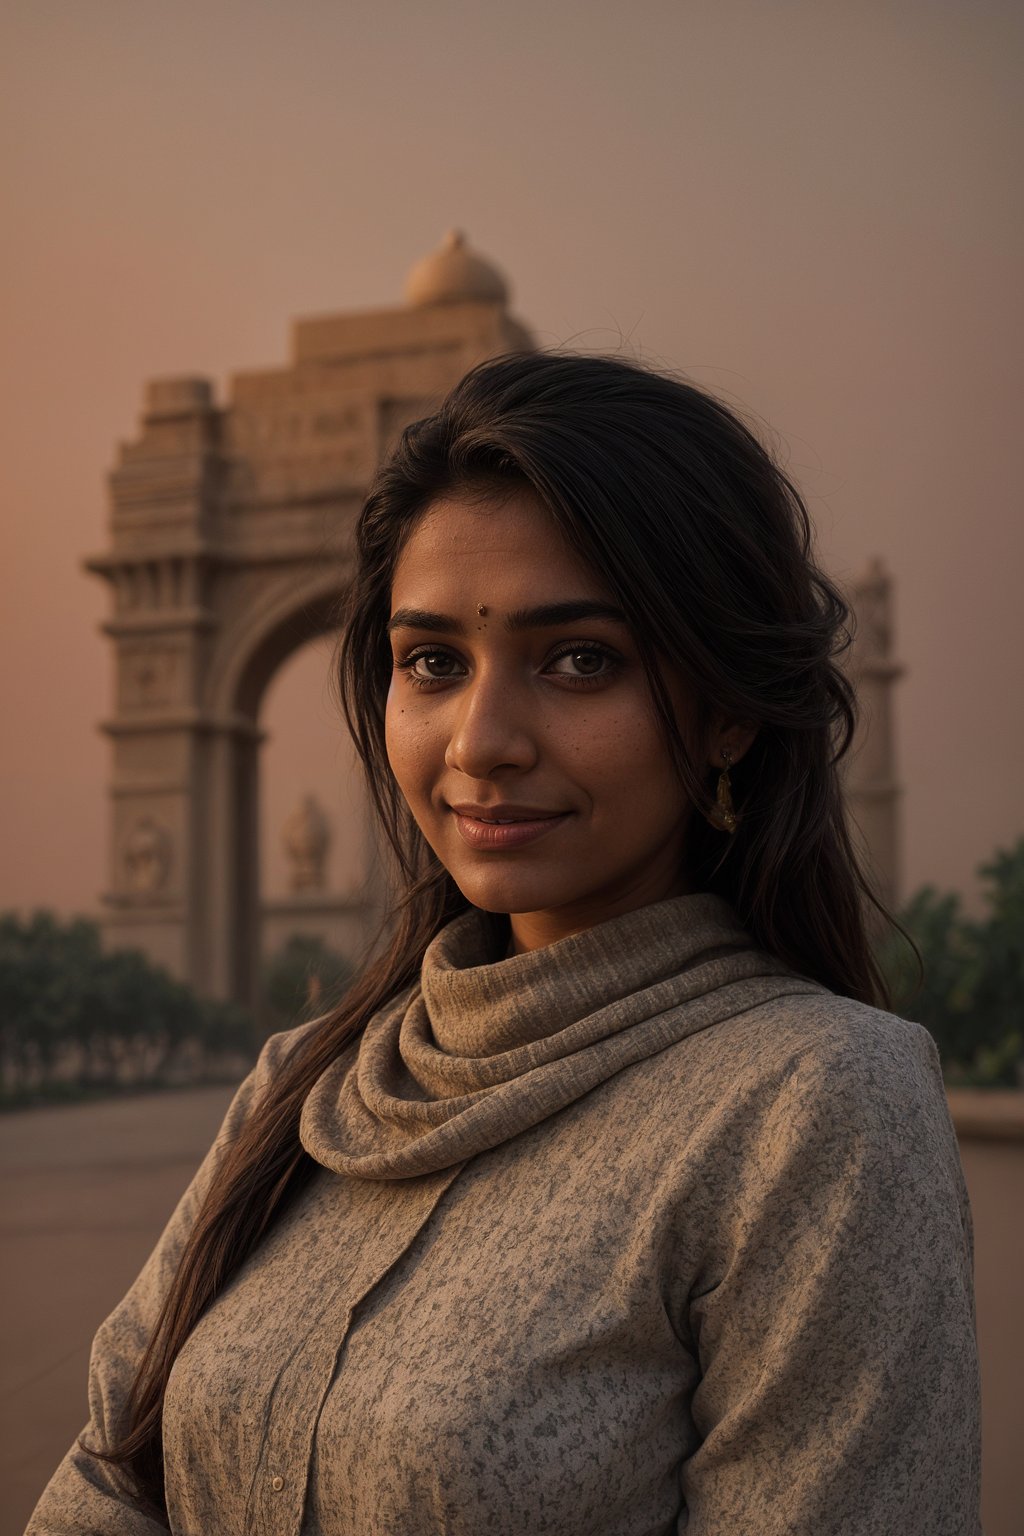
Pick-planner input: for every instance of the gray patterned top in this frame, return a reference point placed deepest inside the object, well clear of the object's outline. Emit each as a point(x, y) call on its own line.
point(635, 1235)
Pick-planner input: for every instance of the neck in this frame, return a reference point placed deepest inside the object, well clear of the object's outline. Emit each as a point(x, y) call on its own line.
point(536, 930)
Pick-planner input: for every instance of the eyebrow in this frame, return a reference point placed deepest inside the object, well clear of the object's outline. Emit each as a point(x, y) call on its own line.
point(547, 616)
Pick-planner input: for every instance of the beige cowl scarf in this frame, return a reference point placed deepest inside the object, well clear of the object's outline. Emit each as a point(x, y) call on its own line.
point(636, 1235)
point(481, 1052)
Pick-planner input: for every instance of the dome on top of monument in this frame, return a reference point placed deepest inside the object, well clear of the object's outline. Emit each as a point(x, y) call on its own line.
point(454, 273)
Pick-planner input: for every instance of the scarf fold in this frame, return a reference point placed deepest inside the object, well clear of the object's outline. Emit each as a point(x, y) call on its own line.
point(482, 1050)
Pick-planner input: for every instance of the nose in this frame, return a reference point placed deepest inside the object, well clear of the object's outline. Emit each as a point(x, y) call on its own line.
point(492, 731)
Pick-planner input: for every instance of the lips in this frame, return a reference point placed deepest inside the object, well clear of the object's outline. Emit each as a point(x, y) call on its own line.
point(506, 811)
point(498, 827)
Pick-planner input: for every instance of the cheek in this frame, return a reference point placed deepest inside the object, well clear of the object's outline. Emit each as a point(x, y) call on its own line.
point(396, 736)
point(620, 747)
point(412, 744)
point(622, 761)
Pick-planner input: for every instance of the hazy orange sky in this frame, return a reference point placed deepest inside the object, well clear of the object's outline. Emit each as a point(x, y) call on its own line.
point(812, 207)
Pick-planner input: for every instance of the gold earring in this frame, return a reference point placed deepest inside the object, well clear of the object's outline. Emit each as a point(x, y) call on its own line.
point(724, 815)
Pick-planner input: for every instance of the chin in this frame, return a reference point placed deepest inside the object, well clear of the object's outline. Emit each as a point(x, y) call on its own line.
point(501, 893)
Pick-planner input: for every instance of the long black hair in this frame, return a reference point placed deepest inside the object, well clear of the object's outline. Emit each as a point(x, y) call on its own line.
point(707, 546)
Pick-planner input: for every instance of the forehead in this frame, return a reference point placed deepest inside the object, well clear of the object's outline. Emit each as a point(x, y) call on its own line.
point(509, 542)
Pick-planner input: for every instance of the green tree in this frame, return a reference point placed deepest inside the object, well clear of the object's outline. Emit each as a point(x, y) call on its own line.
point(45, 973)
point(971, 996)
point(999, 942)
point(73, 1013)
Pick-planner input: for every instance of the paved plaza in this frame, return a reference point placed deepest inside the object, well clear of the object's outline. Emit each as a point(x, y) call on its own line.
point(85, 1191)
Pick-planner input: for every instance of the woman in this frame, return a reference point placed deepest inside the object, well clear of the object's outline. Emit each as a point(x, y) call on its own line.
point(607, 1201)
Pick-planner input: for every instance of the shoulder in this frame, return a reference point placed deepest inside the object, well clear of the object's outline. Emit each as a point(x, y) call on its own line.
point(810, 1070)
point(809, 1041)
point(845, 1085)
point(872, 1067)
point(817, 1110)
point(821, 1038)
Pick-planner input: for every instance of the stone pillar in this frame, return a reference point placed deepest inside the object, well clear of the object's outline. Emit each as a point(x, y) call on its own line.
point(162, 502)
point(223, 916)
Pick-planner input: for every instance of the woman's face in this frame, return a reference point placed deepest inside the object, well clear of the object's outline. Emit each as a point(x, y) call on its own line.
point(520, 725)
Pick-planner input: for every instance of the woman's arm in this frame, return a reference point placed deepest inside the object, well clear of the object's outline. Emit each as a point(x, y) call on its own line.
point(840, 1381)
point(86, 1496)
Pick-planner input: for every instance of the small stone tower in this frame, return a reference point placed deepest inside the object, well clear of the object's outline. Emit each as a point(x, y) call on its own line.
point(872, 787)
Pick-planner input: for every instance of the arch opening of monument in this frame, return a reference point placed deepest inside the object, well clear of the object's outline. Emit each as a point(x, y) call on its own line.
point(320, 870)
point(281, 626)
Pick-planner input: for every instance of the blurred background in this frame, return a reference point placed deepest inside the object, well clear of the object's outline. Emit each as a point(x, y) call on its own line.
point(811, 209)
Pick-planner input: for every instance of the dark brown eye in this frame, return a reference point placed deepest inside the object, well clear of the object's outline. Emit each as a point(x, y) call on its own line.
point(433, 664)
point(424, 668)
point(587, 661)
point(581, 662)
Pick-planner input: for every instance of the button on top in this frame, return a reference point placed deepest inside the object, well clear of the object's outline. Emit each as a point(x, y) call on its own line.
point(277, 1483)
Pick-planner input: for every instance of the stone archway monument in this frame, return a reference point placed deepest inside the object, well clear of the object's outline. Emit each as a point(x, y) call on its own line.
point(230, 546)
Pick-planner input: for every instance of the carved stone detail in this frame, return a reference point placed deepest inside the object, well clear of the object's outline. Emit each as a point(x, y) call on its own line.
point(149, 676)
point(307, 837)
point(147, 856)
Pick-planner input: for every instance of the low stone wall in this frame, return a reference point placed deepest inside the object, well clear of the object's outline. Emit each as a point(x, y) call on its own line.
point(987, 1114)
point(990, 1130)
